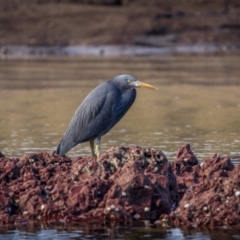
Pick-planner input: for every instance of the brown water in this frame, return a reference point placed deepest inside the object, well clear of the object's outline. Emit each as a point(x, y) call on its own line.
point(198, 102)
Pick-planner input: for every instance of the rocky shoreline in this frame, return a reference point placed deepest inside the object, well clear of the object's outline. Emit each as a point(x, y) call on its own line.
point(125, 184)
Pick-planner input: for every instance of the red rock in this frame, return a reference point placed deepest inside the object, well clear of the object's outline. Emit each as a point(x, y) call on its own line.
point(123, 184)
point(209, 193)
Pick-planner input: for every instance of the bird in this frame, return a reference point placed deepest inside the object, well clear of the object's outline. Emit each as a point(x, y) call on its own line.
point(102, 108)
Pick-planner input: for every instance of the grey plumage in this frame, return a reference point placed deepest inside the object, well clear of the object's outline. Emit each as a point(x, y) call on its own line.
point(103, 107)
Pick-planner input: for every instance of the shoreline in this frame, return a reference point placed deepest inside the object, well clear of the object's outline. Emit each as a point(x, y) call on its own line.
point(23, 52)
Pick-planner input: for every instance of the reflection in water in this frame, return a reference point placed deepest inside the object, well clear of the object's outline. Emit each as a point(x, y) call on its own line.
point(142, 230)
point(197, 103)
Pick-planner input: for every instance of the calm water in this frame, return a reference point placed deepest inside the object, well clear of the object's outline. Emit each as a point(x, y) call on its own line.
point(198, 102)
point(83, 231)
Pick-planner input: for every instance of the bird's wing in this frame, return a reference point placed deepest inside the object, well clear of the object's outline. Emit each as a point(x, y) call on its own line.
point(100, 112)
point(91, 118)
point(97, 114)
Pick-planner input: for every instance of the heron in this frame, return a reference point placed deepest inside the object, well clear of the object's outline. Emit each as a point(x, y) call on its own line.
point(102, 108)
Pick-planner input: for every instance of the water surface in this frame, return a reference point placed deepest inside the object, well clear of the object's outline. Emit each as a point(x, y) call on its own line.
point(83, 231)
point(198, 102)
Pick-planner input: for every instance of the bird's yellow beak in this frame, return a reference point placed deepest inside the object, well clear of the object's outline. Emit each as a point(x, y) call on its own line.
point(144, 85)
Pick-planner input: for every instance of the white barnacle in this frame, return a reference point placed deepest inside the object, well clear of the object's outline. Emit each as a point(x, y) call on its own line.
point(117, 209)
point(112, 207)
point(42, 207)
point(205, 208)
point(146, 209)
point(124, 194)
point(201, 164)
point(146, 186)
point(185, 159)
point(187, 205)
point(237, 193)
point(25, 212)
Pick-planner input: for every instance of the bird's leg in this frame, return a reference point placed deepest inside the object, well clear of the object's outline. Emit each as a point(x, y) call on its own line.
point(98, 140)
point(92, 148)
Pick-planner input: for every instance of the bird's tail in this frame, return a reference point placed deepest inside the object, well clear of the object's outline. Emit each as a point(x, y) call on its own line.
point(59, 149)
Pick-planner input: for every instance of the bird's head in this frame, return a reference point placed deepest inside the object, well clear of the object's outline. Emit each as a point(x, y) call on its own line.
point(130, 82)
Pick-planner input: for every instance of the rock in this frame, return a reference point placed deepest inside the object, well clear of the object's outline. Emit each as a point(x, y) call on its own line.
point(209, 194)
point(123, 184)
point(24, 159)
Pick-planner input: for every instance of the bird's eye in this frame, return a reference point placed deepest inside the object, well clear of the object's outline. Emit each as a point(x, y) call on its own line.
point(129, 80)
